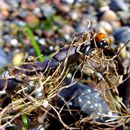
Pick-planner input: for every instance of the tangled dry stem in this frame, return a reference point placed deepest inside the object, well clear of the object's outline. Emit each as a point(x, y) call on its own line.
point(96, 65)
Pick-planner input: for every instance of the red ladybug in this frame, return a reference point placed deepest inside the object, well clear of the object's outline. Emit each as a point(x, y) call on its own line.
point(102, 40)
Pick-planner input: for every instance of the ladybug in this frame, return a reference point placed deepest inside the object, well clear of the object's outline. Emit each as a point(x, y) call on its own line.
point(30, 59)
point(102, 40)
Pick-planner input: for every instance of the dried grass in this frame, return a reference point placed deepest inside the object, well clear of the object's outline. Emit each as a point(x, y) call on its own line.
point(96, 65)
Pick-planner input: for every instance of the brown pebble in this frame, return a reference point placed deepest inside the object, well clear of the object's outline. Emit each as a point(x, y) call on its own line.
point(106, 26)
point(31, 19)
point(109, 16)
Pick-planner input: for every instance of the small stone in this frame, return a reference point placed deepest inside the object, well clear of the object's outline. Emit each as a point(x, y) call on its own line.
point(69, 75)
point(48, 10)
point(42, 41)
point(109, 16)
point(68, 1)
point(37, 12)
point(5, 14)
point(14, 42)
point(116, 24)
point(106, 26)
point(118, 5)
point(67, 29)
point(51, 48)
point(64, 8)
point(4, 5)
point(18, 58)
point(100, 29)
point(4, 58)
point(74, 15)
point(31, 19)
point(122, 35)
point(124, 17)
point(31, 5)
point(103, 5)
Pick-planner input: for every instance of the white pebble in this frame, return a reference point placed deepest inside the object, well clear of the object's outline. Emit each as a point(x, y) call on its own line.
point(89, 90)
point(70, 104)
point(91, 107)
point(69, 75)
point(88, 102)
point(42, 41)
point(14, 42)
point(96, 105)
point(67, 37)
point(80, 100)
point(51, 48)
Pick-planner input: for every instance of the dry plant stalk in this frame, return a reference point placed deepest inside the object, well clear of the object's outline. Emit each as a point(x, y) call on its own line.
point(49, 83)
point(24, 101)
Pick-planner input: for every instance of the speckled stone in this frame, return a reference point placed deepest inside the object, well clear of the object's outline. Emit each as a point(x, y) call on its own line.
point(85, 98)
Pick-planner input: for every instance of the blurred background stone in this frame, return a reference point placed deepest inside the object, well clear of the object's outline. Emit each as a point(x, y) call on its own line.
point(122, 35)
point(4, 58)
point(109, 16)
point(119, 5)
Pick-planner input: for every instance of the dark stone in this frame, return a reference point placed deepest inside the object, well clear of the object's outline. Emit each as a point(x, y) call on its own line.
point(4, 58)
point(118, 5)
point(122, 35)
point(84, 98)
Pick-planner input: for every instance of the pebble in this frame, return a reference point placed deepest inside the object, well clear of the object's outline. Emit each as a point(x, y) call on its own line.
point(5, 14)
point(122, 35)
point(106, 26)
point(75, 14)
point(67, 29)
point(64, 8)
point(42, 41)
point(116, 24)
point(14, 42)
point(118, 5)
point(84, 98)
point(4, 5)
point(17, 58)
point(124, 17)
point(109, 16)
point(4, 58)
point(48, 10)
point(68, 1)
point(31, 19)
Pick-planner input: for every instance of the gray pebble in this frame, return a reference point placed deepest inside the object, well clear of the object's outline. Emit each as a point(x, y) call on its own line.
point(4, 58)
point(122, 35)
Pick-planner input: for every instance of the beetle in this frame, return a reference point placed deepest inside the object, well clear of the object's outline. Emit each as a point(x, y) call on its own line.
point(30, 59)
point(102, 40)
point(99, 40)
